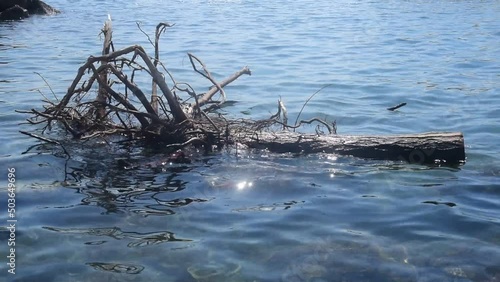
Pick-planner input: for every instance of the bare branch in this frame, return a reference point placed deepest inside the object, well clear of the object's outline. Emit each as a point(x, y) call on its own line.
point(145, 33)
point(176, 109)
point(121, 99)
point(160, 28)
point(212, 91)
point(48, 85)
point(184, 144)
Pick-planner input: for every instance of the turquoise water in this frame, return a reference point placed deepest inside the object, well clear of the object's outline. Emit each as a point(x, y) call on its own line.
point(264, 217)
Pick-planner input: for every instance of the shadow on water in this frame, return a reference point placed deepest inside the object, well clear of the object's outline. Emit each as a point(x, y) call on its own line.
point(127, 179)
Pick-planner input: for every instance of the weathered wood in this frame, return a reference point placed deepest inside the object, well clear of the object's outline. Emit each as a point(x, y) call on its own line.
point(160, 28)
point(213, 90)
point(102, 93)
point(175, 108)
point(424, 148)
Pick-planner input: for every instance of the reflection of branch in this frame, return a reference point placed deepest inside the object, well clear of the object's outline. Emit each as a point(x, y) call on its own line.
point(179, 202)
point(117, 267)
point(156, 238)
point(143, 239)
point(46, 140)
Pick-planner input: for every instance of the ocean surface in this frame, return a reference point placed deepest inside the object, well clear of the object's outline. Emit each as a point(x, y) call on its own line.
point(261, 216)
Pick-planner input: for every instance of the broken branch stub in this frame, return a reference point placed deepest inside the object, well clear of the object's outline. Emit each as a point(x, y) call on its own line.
point(102, 95)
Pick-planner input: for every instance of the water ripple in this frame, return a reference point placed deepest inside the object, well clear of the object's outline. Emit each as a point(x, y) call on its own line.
point(257, 216)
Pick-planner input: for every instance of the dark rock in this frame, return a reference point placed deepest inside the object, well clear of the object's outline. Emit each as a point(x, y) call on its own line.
point(20, 9)
point(40, 8)
point(14, 13)
point(6, 4)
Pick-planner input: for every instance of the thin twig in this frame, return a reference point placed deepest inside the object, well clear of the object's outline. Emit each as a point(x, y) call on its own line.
point(211, 121)
point(46, 100)
point(105, 132)
point(308, 99)
point(46, 83)
point(149, 38)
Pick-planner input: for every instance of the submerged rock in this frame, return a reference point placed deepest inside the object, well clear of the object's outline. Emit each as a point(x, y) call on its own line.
point(215, 271)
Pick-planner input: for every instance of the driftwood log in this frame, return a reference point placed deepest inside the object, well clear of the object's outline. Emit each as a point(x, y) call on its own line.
point(178, 116)
point(424, 148)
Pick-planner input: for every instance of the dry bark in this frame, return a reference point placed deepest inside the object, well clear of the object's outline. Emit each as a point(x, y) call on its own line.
point(423, 148)
point(102, 93)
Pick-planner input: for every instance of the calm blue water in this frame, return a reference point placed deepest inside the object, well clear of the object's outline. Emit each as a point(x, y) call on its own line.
point(260, 217)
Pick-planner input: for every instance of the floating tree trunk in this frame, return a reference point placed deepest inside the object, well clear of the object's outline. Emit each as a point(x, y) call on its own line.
point(179, 117)
point(423, 148)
